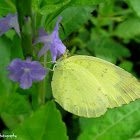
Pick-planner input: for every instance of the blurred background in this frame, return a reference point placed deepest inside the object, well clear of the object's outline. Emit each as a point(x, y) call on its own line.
point(109, 30)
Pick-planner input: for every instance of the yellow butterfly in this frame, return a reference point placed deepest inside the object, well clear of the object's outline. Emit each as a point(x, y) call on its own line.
point(88, 86)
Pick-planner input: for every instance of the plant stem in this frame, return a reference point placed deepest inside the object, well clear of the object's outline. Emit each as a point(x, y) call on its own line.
point(42, 87)
point(26, 25)
point(121, 12)
point(42, 93)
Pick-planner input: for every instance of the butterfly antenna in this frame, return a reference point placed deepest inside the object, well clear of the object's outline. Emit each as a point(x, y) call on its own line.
point(64, 34)
point(35, 49)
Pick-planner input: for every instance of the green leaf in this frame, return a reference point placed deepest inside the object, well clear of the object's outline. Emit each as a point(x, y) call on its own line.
point(5, 47)
point(48, 9)
point(13, 104)
point(107, 8)
point(45, 124)
point(83, 35)
point(128, 28)
point(135, 5)
point(7, 6)
point(54, 8)
point(85, 2)
point(36, 5)
point(127, 65)
point(11, 121)
point(70, 21)
point(10, 34)
point(72, 2)
point(108, 49)
point(119, 124)
point(3, 88)
point(136, 136)
point(83, 52)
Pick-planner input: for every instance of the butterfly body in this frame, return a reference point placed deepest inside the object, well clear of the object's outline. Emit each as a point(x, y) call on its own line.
point(87, 86)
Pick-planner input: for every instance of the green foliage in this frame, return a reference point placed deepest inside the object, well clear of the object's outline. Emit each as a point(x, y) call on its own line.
point(49, 6)
point(54, 8)
point(109, 29)
point(13, 104)
point(71, 24)
point(133, 24)
point(108, 49)
point(116, 123)
point(11, 121)
point(7, 6)
point(45, 123)
point(127, 65)
point(72, 2)
point(5, 45)
point(135, 4)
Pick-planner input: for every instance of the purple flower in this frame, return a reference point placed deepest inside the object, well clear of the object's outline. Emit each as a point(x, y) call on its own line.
point(9, 22)
point(51, 42)
point(26, 71)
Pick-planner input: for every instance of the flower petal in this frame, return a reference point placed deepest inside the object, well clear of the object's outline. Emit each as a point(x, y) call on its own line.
point(53, 53)
point(9, 69)
point(26, 80)
point(60, 49)
point(43, 36)
point(38, 75)
point(14, 23)
point(15, 65)
point(43, 50)
point(51, 42)
point(42, 32)
point(26, 71)
point(5, 24)
point(42, 39)
point(34, 65)
point(57, 26)
point(37, 71)
point(15, 77)
point(28, 59)
point(9, 22)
